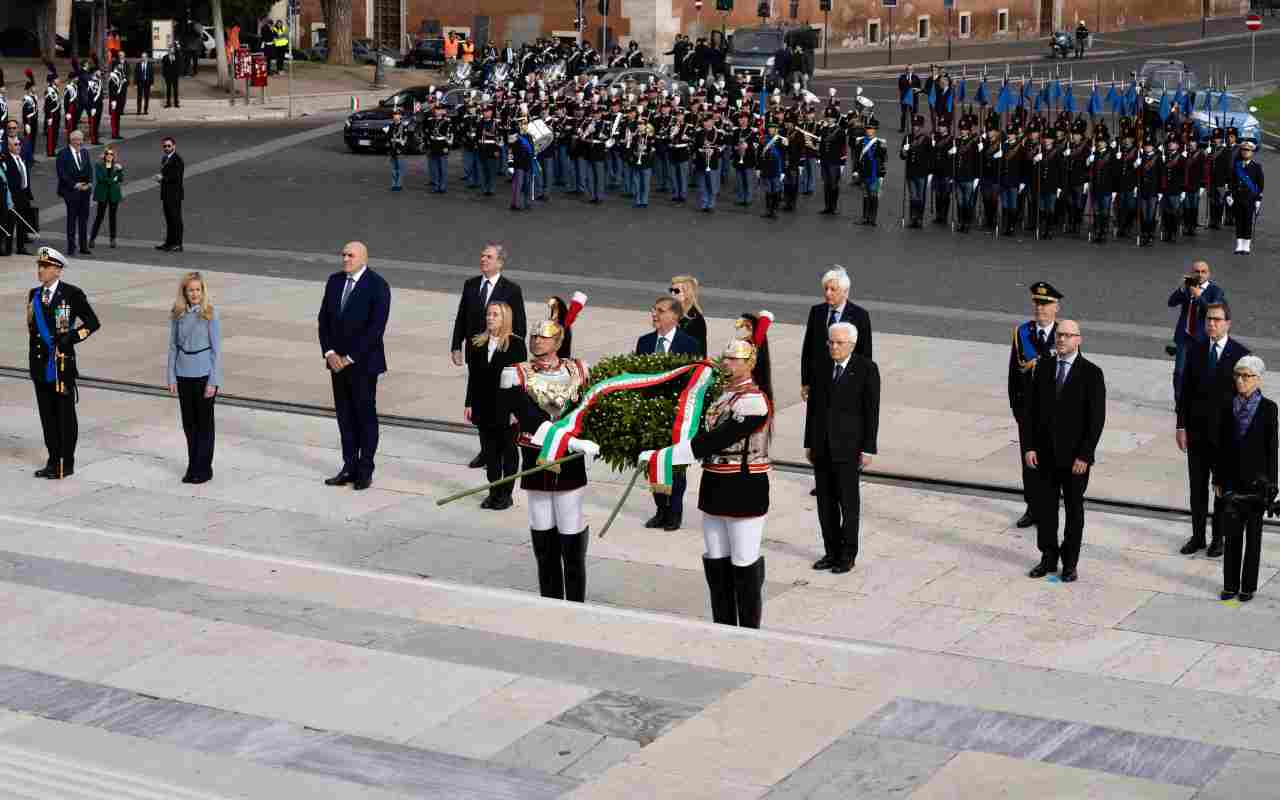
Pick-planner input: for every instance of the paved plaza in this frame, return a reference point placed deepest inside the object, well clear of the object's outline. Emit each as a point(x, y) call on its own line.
point(262, 635)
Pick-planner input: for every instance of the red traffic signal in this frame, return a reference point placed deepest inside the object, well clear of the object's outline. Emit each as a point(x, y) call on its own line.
point(697, 5)
point(1253, 22)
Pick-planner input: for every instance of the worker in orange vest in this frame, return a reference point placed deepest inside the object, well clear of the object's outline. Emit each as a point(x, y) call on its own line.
point(468, 51)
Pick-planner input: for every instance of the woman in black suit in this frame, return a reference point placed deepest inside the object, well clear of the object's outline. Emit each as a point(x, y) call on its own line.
point(491, 352)
point(684, 288)
point(1247, 454)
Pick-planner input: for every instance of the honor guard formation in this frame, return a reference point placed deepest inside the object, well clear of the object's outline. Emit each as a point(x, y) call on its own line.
point(550, 124)
point(77, 103)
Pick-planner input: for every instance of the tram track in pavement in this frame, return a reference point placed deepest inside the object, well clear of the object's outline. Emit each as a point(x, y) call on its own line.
point(899, 479)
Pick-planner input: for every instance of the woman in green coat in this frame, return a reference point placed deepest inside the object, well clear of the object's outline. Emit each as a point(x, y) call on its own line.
point(108, 178)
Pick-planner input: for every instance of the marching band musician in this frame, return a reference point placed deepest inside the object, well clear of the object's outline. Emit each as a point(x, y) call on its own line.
point(746, 141)
point(1100, 183)
point(707, 150)
point(871, 162)
point(544, 389)
point(52, 113)
point(812, 152)
point(772, 166)
point(1174, 188)
point(918, 154)
point(597, 152)
point(59, 318)
point(640, 157)
point(968, 168)
point(679, 141)
point(1245, 195)
point(833, 152)
point(734, 494)
point(439, 136)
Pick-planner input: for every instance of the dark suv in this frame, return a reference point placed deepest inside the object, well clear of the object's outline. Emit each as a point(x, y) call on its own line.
point(426, 54)
point(751, 52)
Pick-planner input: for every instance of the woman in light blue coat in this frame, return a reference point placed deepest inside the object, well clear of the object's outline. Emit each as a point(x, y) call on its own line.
point(194, 371)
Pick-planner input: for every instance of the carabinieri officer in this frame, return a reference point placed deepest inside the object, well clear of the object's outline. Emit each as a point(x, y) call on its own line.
point(59, 317)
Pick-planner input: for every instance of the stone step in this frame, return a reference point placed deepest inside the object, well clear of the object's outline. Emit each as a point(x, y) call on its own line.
point(41, 776)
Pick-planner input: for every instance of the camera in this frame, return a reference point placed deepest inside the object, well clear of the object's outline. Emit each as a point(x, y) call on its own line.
point(1190, 281)
point(1259, 499)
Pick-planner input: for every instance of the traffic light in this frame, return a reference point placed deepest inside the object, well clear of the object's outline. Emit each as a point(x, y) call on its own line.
point(824, 5)
point(762, 10)
point(603, 5)
point(795, 8)
point(724, 5)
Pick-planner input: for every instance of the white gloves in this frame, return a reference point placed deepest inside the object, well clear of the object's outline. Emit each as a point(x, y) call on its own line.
point(1115, 144)
point(1059, 193)
point(645, 455)
point(588, 448)
point(1230, 200)
point(1135, 191)
point(1039, 157)
point(1021, 186)
point(1182, 196)
point(1113, 197)
point(1066, 152)
point(952, 151)
point(1257, 204)
point(998, 154)
point(1089, 160)
point(1160, 197)
point(1137, 162)
point(906, 148)
point(982, 146)
point(975, 184)
point(1086, 188)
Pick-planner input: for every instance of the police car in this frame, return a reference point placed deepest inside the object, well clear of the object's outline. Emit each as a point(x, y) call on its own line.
point(1239, 116)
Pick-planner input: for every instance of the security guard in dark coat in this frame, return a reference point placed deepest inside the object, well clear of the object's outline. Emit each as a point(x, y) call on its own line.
point(59, 317)
point(1032, 340)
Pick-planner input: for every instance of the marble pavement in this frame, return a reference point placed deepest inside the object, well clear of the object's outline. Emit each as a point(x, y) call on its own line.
point(262, 634)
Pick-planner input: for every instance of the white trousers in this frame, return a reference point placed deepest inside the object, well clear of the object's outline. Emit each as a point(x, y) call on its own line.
point(560, 510)
point(735, 538)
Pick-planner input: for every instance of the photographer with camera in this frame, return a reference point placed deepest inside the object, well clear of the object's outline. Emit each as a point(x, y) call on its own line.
point(1245, 476)
point(1191, 297)
point(1206, 392)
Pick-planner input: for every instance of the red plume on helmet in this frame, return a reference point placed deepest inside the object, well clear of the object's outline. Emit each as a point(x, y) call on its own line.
point(762, 328)
point(31, 76)
point(576, 304)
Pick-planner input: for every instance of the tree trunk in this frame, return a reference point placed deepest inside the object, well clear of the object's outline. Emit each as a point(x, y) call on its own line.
point(337, 23)
point(224, 77)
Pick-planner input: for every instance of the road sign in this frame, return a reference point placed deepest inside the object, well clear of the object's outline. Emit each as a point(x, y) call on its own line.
point(888, 3)
point(242, 62)
point(1253, 22)
point(258, 70)
point(697, 5)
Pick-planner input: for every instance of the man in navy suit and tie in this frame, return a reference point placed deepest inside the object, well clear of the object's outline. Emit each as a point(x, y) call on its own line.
point(667, 337)
point(353, 320)
point(1192, 296)
point(75, 185)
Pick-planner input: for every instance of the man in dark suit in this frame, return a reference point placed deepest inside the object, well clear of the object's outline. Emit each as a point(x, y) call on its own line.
point(490, 286)
point(908, 81)
point(75, 185)
point(171, 70)
point(1032, 340)
point(17, 176)
point(172, 170)
point(667, 337)
point(842, 421)
point(59, 318)
point(1206, 390)
point(1196, 291)
point(815, 359)
point(144, 75)
point(353, 319)
point(1063, 421)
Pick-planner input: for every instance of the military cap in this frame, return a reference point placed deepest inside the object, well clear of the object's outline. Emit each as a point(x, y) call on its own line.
point(1043, 292)
point(872, 124)
point(917, 120)
point(942, 123)
point(965, 124)
point(1079, 126)
point(1049, 133)
point(1233, 131)
point(50, 256)
point(1248, 144)
point(1216, 133)
point(993, 120)
point(832, 111)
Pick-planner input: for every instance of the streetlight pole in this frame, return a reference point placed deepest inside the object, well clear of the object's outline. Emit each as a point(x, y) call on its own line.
point(891, 35)
point(826, 35)
point(949, 31)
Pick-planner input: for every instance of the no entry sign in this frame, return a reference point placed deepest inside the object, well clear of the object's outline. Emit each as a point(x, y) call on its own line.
point(1253, 22)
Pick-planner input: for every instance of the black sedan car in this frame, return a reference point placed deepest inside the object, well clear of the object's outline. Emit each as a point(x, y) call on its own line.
point(426, 54)
point(367, 130)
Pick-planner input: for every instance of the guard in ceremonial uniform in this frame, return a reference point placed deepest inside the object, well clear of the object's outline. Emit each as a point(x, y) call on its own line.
point(1150, 180)
point(1199, 167)
point(918, 154)
point(544, 389)
point(1101, 185)
point(745, 151)
point(1245, 195)
point(1032, 340)
point(59, 318)
point(1174, 188)
point(439, 136)
point(992, 163)
point(773, 166)
point(52, 114)
point(93, 105)
point(968, 169)
point(1047, 173)
point(833, 151)
point(117, 86)
point(734, 494)
point(70, 104)
point(870, 163)
point(1223, 159)
point(1076, 156)
point(944, 151)
point(30, 120)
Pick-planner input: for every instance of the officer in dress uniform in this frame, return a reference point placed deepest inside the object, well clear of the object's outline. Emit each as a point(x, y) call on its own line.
point(93, 105)
point(70, 104)
point(1010, 160)
point(117, 86)
point(870, 163)
point(1032, 340)
point(991, 152)
point(1047, 167)
point(734, 494)
point(967, 169)
point(1101, 185)
point(30, 120)
point(918, 154)
point(1150, 180)
point(59, 318)
point(542, 390)
point(1199, 167)
point(52, 113)
point(943, 147)
point(1221, 158)
point(1076, 171)
point(1245, 195)
point(439, 133)
point(833, 151)
point(773, 166)
point(1174, 189)
point(1125, 179)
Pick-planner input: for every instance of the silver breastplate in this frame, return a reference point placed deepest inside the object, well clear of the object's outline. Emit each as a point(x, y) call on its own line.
point(556, 391)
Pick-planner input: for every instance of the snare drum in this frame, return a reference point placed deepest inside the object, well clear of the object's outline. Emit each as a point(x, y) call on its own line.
point(541, 135)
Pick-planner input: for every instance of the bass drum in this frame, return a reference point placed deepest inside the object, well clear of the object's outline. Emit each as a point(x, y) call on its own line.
point(541, 135)
point(501, 72)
